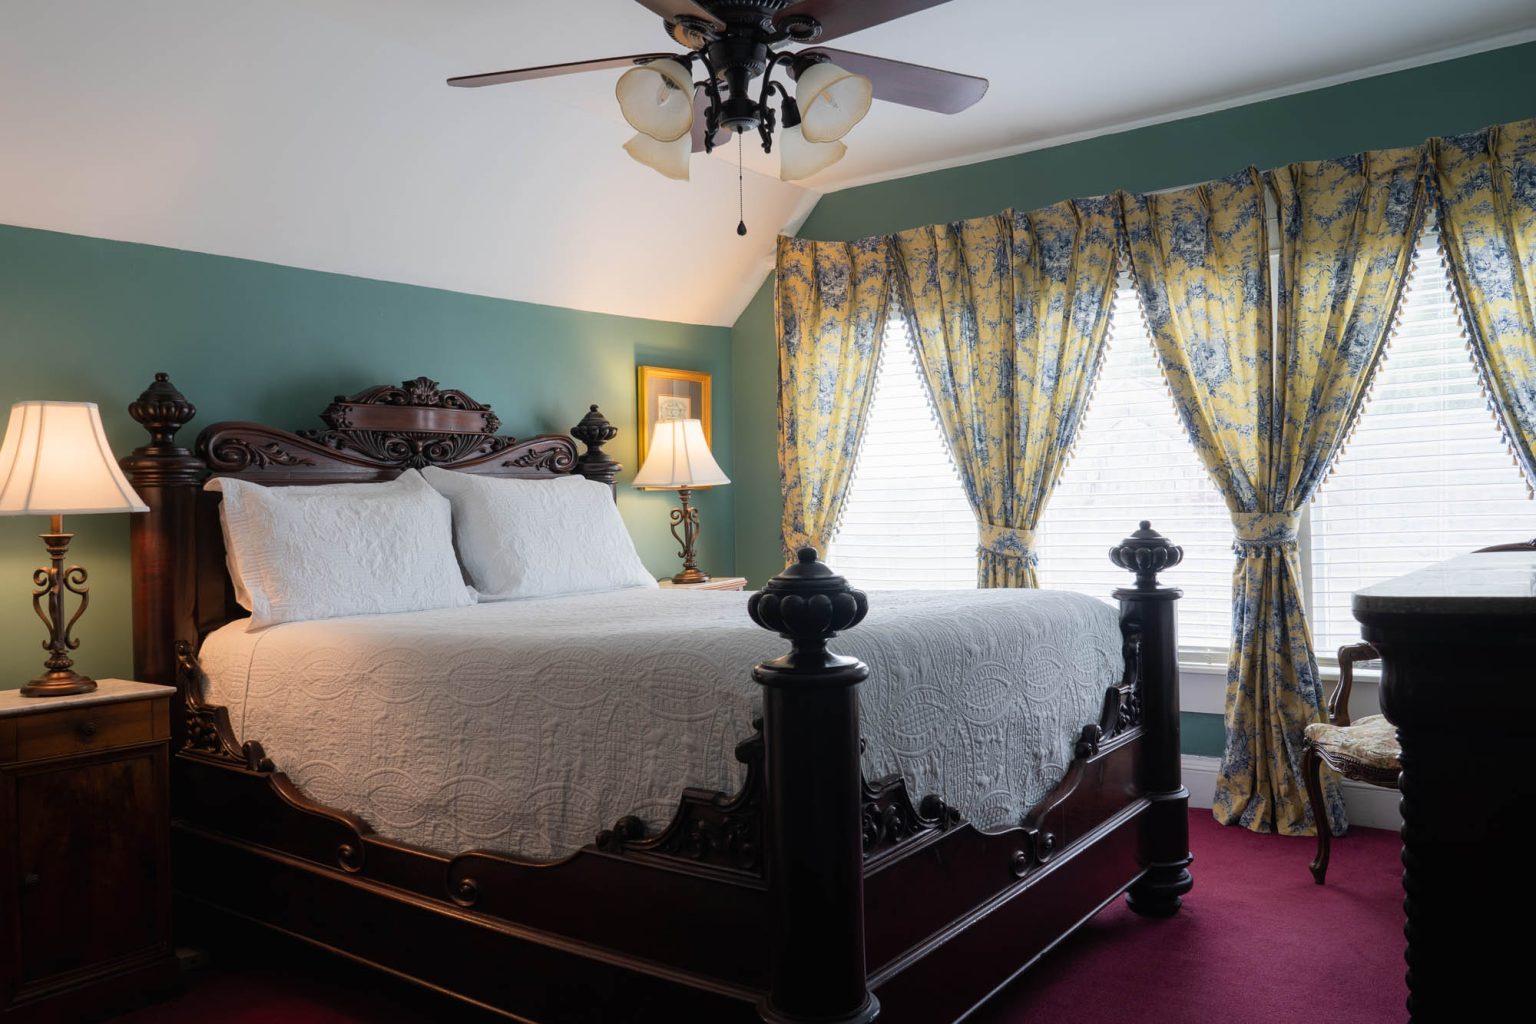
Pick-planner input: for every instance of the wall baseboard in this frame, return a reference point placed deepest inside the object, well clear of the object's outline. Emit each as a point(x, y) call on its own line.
point(1367, 805)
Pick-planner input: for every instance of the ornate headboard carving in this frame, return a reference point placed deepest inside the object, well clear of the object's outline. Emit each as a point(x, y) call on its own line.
point(181, 590)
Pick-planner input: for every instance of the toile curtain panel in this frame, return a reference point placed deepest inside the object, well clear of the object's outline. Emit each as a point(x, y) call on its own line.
point(1269, 409)
point(1485, 191)
point(1008, 316)
point(831, 302)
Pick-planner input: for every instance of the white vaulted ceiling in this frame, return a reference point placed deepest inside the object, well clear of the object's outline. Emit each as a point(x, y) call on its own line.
point(319, 133)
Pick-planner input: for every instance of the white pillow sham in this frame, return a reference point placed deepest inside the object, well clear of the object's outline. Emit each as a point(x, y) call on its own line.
point(539, 538)
point(328, 550)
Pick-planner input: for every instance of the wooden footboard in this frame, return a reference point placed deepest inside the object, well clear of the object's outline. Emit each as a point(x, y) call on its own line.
point(810, 895)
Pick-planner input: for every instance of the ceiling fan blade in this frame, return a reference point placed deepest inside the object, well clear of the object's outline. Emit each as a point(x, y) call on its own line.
point(551, 70)
point(911, 85)
point(700, 105)
point(674, 9)
point(840, 17)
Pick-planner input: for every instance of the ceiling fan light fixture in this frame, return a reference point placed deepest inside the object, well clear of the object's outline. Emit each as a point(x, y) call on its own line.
point(831, 100)
point(801, 158)
point(668, 158)
point(657, 99)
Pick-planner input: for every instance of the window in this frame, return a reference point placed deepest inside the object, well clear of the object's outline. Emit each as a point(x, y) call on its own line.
point(1133, 461)
point(906, 521)
point(1424, 477)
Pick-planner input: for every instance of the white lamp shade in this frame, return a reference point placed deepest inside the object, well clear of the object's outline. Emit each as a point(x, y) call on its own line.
point(801, 159)
point(680, 457)
point(669, 158)
point(657, 99)
point(55, 461)
point(831, 100)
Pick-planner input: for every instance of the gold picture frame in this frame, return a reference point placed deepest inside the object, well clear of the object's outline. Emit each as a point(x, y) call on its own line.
point(666, 393)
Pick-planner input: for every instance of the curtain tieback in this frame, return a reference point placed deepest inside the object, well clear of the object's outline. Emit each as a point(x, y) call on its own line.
point(1008, 542)
point(1255, 531)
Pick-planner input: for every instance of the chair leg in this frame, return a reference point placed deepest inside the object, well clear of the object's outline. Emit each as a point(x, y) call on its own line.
point(1312, 768)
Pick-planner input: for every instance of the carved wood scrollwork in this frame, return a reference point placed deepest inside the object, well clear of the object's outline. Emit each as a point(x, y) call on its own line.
point(710, 828)
point(411, 449)
point(210, 737)
point(232, 454)
point(889, 819)
point(723, 831)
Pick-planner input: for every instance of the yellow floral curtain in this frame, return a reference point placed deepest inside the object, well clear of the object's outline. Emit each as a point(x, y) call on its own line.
point(832, 300)
point(1008, 315)
point(1485, 190)
point(1269, 411)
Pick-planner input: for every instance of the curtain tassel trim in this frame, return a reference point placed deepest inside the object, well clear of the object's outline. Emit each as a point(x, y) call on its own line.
point(1008, 542)
point(1259, 531)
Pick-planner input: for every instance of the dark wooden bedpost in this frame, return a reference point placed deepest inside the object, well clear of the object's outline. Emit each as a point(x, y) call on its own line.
point(594, 431)
point(1147, 609)
point(813, 841)
point(167, 476)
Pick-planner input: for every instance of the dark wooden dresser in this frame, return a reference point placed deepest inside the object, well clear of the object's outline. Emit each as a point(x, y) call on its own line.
point(85, 856)
point(1458, 647)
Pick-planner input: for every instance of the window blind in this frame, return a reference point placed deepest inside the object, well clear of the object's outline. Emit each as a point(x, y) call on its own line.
point(906, 521)
point(1425, 476)
point(1133, 461)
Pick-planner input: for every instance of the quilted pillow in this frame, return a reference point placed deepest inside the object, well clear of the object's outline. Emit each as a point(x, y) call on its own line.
point(539, 538)
point(330, 550)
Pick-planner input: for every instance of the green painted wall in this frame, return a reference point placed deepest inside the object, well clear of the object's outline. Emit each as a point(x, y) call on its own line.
point(92, 320)
point(1390, 110)
point(1201, 734)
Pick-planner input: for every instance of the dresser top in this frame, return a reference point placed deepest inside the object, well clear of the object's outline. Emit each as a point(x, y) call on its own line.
point(1491, 583)
point(108, 691)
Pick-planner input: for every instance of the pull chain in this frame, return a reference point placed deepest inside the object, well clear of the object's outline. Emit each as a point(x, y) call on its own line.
point(741, 198)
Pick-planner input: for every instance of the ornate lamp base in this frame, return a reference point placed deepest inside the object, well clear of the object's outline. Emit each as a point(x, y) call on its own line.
point(58, 684)
point(53, 581)
point(687, 518)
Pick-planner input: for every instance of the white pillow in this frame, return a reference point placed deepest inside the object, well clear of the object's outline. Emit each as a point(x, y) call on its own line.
point(323, 551)
point(539, 538)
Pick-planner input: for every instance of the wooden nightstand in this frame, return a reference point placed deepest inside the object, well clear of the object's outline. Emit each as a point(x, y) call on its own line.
point(85, 872)
point(718, 583)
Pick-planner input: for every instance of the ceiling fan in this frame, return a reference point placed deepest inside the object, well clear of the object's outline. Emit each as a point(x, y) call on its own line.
point(736, 42)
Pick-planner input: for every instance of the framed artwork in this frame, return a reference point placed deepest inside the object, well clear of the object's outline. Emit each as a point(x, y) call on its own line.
point(671, 395)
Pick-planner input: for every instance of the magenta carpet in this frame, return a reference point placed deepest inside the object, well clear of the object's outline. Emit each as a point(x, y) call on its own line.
point(1256, 943)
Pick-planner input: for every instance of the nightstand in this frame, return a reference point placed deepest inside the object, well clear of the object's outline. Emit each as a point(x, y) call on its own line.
point(85, 871)
point(718, 583)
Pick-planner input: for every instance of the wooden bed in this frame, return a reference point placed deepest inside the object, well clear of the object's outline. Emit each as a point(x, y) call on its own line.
point(810, 895)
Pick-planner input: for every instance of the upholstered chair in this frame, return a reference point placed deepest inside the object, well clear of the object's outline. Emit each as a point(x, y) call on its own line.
point(1366, 750)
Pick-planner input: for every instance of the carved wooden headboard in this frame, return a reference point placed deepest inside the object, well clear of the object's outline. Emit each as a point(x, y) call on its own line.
point(181, 589)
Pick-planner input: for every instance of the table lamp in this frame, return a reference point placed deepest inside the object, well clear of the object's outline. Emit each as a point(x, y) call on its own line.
point(679, 459)
point(55, 461)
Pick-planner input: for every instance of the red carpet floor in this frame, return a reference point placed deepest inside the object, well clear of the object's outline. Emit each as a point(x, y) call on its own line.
point(1256, 943)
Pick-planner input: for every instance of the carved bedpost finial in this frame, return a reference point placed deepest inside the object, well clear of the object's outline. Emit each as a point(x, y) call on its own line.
point(814, 830)
point(1146, 553)
point(808, 604)
point(594, 431)
point(162, 410)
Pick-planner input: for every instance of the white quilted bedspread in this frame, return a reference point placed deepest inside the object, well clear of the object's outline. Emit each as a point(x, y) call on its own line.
point(526, 726)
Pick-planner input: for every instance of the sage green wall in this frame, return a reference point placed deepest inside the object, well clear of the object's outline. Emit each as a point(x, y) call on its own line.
point(1399, 109)
point(92, 320)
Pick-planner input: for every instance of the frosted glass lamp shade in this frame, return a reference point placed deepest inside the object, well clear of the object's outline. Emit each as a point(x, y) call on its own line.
point(657, 99)
point(680, 457)
point(831, 100)
point(55, 461)
point(801, 159)
point(669, 158)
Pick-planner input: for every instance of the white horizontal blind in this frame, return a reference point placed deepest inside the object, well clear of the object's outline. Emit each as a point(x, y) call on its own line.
point(906, 521)
point(1426, 475)
point(1133, 461)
